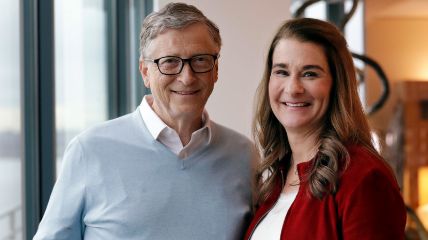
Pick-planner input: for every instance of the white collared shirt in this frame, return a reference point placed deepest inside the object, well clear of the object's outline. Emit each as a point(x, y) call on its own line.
point(168, 136)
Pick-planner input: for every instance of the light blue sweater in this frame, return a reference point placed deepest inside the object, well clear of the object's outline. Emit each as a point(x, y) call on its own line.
point(117, 182)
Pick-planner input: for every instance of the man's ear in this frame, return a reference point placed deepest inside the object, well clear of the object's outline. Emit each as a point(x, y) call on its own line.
point(144, 70)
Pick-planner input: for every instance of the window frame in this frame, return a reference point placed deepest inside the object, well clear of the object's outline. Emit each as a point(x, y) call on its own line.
point(38, 90)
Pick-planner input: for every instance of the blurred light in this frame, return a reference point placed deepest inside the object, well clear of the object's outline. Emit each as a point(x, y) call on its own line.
point(423, 185)
point(422, 213)
point(422, 210)
point(376, 141)
point(421, 70)
point(405, 9)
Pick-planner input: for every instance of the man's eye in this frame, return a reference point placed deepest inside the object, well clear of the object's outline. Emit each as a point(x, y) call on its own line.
point(199, 59)
point(169, 61)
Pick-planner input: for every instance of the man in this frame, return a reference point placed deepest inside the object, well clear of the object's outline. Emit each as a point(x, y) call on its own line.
point(165, 171)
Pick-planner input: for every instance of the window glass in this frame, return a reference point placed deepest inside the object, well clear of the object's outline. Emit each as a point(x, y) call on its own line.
point(80, 68)
point(10, 129)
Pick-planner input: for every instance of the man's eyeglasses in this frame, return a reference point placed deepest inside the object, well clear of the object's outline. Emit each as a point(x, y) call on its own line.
point(172, 65)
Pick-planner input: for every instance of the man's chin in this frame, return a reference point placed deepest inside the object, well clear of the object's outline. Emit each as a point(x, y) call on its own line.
point(184, 110)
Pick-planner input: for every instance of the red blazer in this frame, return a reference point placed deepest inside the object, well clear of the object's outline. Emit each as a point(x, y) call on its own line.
point(368, 205)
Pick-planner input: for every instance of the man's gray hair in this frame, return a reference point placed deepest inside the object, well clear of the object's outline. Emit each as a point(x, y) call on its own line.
point(174, 16)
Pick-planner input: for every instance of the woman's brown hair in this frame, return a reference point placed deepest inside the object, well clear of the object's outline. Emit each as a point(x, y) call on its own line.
point(345, 121)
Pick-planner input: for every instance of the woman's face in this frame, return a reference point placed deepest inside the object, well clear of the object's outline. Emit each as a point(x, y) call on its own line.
point(299, 85)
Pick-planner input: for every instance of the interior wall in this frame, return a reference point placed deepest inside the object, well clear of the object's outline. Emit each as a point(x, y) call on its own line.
point(398, 40)
point(246, 27)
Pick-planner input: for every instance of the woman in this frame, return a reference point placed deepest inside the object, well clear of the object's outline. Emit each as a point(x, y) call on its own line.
point(320, 177)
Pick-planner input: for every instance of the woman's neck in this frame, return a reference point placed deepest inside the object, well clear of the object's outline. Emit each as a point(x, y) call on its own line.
point(303, 148)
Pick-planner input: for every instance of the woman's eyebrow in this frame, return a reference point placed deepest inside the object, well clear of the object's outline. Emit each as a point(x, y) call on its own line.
point(280, 65)
point(308, 67)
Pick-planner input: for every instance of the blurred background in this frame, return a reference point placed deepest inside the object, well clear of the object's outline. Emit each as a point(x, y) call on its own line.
point(66, 65)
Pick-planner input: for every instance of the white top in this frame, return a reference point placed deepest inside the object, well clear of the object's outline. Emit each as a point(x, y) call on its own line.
point(168, 136)
point(269, 228)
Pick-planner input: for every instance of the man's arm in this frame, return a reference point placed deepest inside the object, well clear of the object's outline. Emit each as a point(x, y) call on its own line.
point(63, 216)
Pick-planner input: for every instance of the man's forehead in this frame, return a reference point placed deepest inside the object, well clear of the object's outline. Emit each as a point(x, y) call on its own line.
point(191, 40)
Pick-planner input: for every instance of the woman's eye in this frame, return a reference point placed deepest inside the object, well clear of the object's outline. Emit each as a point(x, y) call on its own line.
point(280, 73)
point(310, 74)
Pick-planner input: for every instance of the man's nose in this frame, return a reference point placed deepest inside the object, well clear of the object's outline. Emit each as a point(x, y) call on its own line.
point(187, 76)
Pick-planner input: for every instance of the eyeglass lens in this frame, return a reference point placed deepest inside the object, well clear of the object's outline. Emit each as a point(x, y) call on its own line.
point(174, 65)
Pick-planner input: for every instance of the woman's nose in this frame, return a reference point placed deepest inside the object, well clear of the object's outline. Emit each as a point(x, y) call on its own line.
point(294, 86)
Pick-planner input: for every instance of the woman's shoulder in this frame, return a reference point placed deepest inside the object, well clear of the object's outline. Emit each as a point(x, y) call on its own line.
point(363, 161)
point(363, 168)
point(369, 199)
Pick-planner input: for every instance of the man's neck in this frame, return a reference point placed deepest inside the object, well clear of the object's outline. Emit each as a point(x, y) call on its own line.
point(185, 128)
point(184, 124)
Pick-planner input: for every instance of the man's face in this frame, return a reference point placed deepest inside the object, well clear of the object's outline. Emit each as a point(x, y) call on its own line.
point(183, 95)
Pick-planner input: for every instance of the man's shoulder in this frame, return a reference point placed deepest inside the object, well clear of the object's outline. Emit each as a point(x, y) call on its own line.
point(230, 139)
point(115, 128)
point(226, 133)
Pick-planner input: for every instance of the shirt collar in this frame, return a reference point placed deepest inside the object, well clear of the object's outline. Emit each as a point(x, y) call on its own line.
point(150, 118)
point(155, 125)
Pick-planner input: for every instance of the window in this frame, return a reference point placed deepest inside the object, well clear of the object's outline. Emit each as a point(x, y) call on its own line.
point(10, 129)
point(54, 93)
point(80, 68)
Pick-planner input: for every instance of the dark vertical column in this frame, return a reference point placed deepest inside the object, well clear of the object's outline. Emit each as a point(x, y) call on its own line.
point(335, 12)
point(30, 117)
point(119, 96)
point(47, 99)
point(123, 56)
point(140, 9)
point(113, 103)
point(38, 106)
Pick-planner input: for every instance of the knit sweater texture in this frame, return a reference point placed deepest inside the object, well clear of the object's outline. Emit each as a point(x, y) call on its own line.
point(117, 182)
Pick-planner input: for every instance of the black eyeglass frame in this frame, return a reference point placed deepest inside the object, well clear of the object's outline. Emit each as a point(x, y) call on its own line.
point(184, 61)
